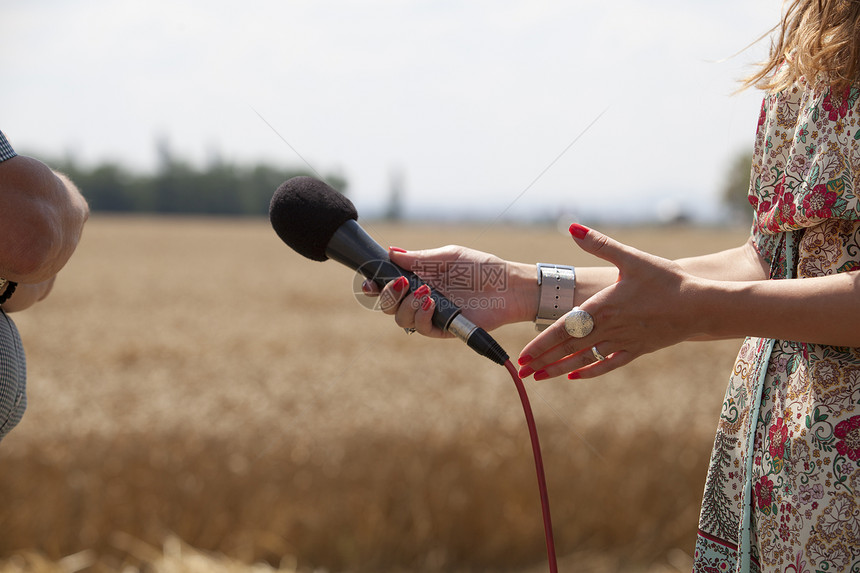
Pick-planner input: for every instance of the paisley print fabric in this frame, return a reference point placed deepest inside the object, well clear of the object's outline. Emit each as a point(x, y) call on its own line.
point(783, 487)
point(806, 158)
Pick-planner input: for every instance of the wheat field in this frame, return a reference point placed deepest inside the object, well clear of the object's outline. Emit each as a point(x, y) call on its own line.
point(201, 398)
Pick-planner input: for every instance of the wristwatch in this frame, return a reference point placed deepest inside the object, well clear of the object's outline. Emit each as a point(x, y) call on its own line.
point(557, 285)
point(7, 288)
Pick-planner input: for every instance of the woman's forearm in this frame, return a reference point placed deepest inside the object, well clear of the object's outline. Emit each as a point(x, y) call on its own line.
point(822, 310)
point(737, 300)
point(523, 279)
point(738, 264)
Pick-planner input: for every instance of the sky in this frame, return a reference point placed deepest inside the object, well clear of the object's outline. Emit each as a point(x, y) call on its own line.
point(512, 108)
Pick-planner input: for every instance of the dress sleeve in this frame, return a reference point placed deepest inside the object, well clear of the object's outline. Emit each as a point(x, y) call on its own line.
point(806, 166)
point(766, 244)
point(6, 151)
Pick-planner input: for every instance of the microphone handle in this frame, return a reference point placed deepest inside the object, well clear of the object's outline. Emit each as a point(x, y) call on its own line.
point(352, 246)
point(382, 272)
point(446, 315)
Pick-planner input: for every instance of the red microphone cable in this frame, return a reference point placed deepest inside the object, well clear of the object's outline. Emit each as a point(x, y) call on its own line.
point(541, 478)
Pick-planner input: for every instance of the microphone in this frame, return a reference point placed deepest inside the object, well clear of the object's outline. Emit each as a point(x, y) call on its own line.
point(320, 223)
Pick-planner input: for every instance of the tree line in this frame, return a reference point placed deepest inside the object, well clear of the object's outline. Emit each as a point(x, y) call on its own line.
point(736, 183)
point(178, 187)
point(224, 188)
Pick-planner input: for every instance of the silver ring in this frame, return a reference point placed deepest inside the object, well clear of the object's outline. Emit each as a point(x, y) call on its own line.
point(578, 323)
point(597, 354)
point(409, 330)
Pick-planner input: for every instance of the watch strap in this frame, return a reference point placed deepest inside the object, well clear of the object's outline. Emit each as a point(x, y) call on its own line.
point(557, 286)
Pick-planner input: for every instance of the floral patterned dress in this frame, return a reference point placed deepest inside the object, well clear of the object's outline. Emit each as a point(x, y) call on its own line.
point(783, 487)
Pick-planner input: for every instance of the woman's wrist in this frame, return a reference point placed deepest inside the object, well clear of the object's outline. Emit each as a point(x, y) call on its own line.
point(592, 280)
point(557, 286)
point(522, 282)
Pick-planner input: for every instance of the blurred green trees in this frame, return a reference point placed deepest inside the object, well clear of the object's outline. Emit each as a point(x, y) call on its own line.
point(226, 188)
point(736, 185)
point(177, 187)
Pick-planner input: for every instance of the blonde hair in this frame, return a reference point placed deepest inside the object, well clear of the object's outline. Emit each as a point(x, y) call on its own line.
point(817, 41)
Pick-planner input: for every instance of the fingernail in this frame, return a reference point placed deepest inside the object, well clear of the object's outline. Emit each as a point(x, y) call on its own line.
point(524, 359)
point(397, 249)
point(427, 303)
point(525, 371)
point(365, 287)
point(421, 291)
point(400, 283)
point(578, 230)
point(541, 375)
point(574, 376)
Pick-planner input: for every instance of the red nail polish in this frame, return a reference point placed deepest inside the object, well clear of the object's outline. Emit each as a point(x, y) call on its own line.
point(525, 371)
point(574, 376)
point(426, 303)
point(523, 360)
point(541, 375)
point(397, 249)
point(400, 283)
point(365, 287)
point(578, 230)
point(421, 291)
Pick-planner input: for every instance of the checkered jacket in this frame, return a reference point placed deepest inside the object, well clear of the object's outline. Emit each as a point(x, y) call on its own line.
point(13, 364)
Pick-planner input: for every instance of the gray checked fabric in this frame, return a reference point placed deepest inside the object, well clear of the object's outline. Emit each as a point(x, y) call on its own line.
point(13, 376)
point(6, 151)
point(13, 364)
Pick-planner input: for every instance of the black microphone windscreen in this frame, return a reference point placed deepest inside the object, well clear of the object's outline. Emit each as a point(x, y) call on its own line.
point(306, 213)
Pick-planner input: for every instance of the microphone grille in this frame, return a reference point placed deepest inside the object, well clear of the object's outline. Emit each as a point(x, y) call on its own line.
point(306, 212)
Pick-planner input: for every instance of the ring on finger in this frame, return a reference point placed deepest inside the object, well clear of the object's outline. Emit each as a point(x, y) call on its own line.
point(597, 355)
point(578, 323)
